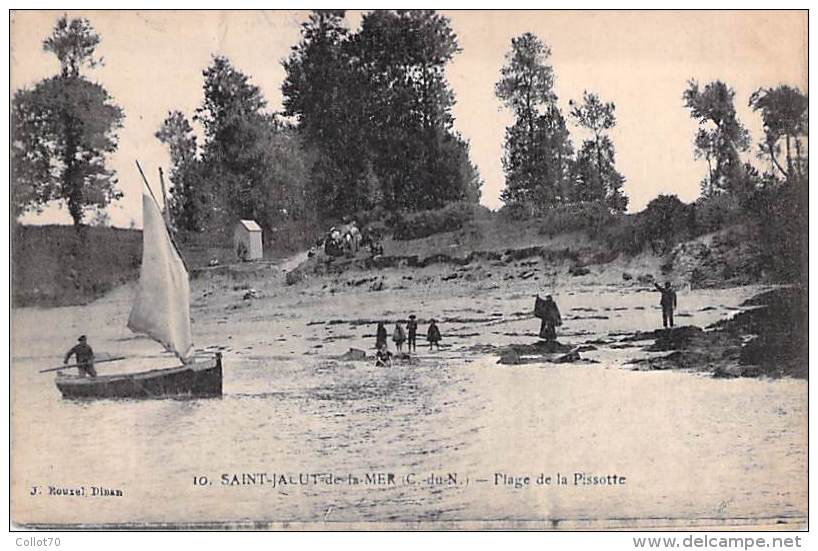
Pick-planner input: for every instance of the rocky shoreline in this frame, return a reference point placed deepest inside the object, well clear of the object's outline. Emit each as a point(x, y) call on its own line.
point(767, 340)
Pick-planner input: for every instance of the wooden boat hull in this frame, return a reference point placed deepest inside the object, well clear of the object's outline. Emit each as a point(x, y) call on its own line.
point(199, 379)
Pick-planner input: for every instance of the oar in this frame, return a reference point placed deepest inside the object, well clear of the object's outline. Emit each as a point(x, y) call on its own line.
point(69, 366)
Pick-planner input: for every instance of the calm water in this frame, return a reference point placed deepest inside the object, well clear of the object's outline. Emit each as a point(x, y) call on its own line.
point(692, 448)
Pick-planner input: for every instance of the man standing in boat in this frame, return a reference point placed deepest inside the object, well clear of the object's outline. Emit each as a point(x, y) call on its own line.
point(85, 357)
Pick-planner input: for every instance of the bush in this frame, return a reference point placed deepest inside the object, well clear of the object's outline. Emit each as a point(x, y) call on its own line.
point(590, 217)
point(715, 213)
point(516, 211)
point(622, 235)
point(782, 213)
point(665, 222)
point(418, 225)
point(367, 217)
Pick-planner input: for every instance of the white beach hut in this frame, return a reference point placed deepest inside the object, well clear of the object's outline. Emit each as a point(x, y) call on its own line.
point(247, 240)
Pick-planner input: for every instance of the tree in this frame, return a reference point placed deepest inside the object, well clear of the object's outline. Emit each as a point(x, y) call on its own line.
point(407, 104)
point(63, 129)
point(537, 145)
point(375, 107)
point(230, 101)
point(74, 43)
point(784, 112)
point(527, 81)
point(720, 137)
point(251, 166)
point(100, 219)
point(322, 89)
point(314, 85)
point(596, 176)
point(188, 196)
point(234, 127)
point(665, 221)
point(233, 121)
point(588, 183)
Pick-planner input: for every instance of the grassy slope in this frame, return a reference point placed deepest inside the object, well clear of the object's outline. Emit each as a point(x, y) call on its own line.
point(725, 258)
point(56, 266)
point(509, 241)
point(486, 234)
point(53, 266)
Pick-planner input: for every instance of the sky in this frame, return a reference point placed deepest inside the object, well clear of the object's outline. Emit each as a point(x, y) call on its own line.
point(639, 60)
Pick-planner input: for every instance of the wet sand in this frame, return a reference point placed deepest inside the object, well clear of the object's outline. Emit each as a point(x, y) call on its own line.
point(695, 451)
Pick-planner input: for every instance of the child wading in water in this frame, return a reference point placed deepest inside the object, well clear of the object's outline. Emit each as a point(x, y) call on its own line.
point(380, 336)
point(399, 335)
point(433, 335)
point(412, 327)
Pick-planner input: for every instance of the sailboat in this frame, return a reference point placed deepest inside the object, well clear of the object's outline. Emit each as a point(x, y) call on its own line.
point(161, 310)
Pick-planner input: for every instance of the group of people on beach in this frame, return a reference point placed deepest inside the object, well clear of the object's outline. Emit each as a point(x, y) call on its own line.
point(544, 308)
point(400, 336)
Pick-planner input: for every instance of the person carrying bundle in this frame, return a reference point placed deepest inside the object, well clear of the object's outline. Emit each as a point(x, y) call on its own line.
point(433, 335)
point(546, 309)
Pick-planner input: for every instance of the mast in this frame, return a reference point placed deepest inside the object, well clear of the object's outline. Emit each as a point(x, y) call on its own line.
point(167, 224)
point(165, 209)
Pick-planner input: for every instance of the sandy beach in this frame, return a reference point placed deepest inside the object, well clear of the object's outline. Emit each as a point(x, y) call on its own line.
point(693, 450)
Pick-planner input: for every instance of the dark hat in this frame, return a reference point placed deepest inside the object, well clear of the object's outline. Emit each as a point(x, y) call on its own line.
point(412, 316)
point(82, 338)
point(432, 320)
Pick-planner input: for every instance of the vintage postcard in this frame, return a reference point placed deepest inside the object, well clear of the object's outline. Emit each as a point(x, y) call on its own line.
point(429, 270)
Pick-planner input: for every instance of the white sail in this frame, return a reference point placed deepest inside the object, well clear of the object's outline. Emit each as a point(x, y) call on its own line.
point(162, 305)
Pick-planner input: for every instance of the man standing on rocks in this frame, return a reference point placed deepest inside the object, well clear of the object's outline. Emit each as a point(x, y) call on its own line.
point(668, 303)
